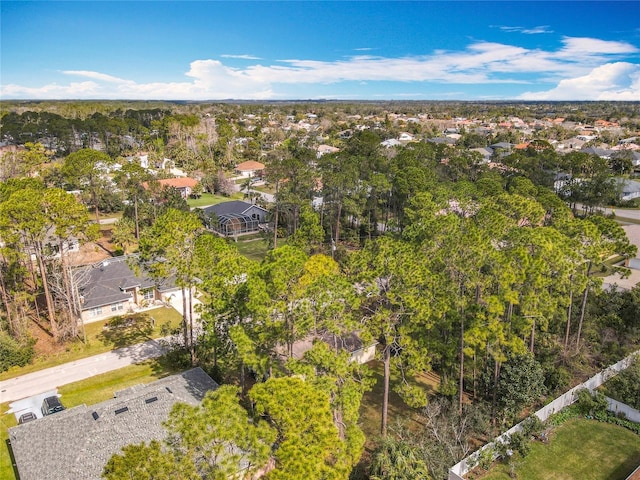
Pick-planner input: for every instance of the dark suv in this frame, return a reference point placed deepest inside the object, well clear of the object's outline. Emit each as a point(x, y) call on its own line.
point(51, 405)
point(27, 417)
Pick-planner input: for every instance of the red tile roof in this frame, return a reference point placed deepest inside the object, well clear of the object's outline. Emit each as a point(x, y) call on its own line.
point(250, 165)
point(180, 182)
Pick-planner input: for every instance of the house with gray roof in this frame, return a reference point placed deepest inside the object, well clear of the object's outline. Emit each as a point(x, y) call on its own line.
point(630, 189)
point(76, 444)
point(235, 218)
point(485, 152)
point(111, 287)
point(604, 153)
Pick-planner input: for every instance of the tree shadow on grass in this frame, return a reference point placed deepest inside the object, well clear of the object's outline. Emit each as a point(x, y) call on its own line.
point(125, 330)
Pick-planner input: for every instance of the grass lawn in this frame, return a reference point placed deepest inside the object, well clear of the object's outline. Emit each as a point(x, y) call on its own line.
point(100, 340)
point(265, 189)
point(580, 449)
point(93, 390)
point(207, 199)
point(253, 249)
point(106, 216)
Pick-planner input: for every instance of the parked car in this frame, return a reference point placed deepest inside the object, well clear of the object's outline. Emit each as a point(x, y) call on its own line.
point(27, 417)
point(51, 405)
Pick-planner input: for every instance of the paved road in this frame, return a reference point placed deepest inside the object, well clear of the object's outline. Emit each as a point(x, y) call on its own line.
point(51, 378)
point(620, 213)
point(37, 382)
point(623, 213)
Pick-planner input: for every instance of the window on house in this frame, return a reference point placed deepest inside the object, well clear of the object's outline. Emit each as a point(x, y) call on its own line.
point(96, 311)
point(148, 294)
point(116, 307)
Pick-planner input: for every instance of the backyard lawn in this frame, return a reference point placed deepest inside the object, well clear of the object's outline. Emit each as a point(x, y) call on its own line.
point(91, 391)
point(580, 449)
point(207, 199)
point(100, 339)
point(253, 248)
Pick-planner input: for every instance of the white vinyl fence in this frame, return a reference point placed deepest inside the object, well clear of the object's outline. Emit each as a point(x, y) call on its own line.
point(619, 407)
point(460, 469)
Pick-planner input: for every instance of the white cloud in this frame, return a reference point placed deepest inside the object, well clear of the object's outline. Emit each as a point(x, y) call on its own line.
point(594, 46)
point(96, 76)
point(241, 57)
point(613, 81)
point(529, 31)
point(52, 91)
point(479, 63)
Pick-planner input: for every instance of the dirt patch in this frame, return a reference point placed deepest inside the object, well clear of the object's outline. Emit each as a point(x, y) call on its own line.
point(45, 344)
point(94, 252)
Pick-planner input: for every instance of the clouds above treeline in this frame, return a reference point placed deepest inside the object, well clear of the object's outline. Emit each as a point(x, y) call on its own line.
point(580, 69)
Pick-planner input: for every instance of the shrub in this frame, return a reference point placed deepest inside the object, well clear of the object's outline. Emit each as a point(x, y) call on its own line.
point(395, 460)
point(625, 386)
point(589, 403)
point(485, 458)
point(564, 415)
point(14, 353)
point(532, 426)
point(519, 442)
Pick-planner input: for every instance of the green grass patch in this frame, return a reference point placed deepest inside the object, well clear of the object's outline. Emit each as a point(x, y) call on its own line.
point(7, 420)
point(102, 387)
point(253, 249)
point(89, 392)
point(580, 449)
point(100, 340)
point(266, 188)
point(106, 216)
point(207, 199)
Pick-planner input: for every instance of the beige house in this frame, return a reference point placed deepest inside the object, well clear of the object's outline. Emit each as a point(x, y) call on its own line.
point(111, 288)
point(250, 168)
point(184, 185)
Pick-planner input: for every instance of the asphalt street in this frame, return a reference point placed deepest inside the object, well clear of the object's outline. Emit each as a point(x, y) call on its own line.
point(49, 379)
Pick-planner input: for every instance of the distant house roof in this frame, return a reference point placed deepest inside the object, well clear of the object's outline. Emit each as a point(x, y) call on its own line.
point(181, 182)
point(107, 281)
point(445, 140)
point(486, 152)
point(630, 189)
point(234, 207)
point(392, 142)
point(249, 166)
point(350, 342)
point(503, 145)
point(600, 152)
point(77, 443)
point(323, 149)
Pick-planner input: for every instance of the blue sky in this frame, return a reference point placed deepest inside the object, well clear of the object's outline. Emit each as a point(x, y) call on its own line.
point(445, 50)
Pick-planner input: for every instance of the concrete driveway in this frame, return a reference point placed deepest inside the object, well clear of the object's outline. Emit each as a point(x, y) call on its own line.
point(31, 404)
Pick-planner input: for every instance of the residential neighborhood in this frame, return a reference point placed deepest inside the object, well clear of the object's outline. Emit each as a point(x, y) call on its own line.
point(376, 267)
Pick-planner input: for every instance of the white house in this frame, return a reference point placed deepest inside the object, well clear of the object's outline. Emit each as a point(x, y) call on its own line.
point(406, 137)
point(250, 168)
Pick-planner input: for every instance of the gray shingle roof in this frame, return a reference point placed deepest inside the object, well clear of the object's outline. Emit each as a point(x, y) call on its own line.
point(76, 444)
point(228, 208)
point(107, 281)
